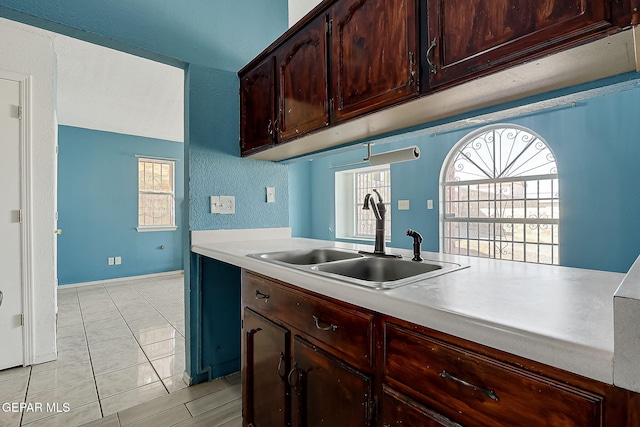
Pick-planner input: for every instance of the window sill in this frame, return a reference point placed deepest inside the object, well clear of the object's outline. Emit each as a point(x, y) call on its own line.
point(145, 229)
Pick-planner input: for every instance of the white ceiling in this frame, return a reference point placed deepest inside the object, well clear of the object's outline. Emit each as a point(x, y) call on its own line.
point(104, 89)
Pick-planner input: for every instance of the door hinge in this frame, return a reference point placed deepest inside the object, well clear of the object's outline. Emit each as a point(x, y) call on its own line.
point(330, 26)
point(21, 319)
point(19, 112)
point(331, 105)
point(412, 71)
point(20, 216)
point(57, 149)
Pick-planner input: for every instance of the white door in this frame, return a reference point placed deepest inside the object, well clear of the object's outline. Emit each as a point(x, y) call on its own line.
point(11, 350)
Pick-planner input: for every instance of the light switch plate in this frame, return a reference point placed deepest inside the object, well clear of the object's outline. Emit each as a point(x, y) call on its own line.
point(429, 204)
point(118, 260)
point(227, 204)
point(271, 194)
point(214, 202)
point(110, 260)
point(403, 205)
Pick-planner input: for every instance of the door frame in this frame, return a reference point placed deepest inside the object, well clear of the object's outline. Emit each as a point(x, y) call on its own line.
point(26, 225)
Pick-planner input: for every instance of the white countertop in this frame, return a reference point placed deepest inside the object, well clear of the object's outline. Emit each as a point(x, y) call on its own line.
point(559, 316)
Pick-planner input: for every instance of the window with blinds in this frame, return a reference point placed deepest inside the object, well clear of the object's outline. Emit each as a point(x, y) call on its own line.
point(156, 194)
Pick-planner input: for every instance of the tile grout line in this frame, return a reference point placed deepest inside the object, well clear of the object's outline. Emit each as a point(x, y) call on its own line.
point(26, 392)
point(93, 372)
point(136, 338)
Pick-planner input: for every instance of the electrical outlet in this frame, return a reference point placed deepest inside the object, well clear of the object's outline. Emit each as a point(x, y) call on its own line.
point(227, 204)
point(118, 260)
point(214, 202)
point(111, 260)
point(429, 204)
point(271, 194)
point(403, 205)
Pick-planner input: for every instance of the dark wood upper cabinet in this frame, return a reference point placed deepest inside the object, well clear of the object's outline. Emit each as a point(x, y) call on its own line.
point(467, 38)
point(257, 107)
point(303, 101)
point(374, 56)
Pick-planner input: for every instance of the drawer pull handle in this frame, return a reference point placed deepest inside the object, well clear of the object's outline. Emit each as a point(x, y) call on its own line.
point(260, 295)
point(331, 327)
point(489, 393)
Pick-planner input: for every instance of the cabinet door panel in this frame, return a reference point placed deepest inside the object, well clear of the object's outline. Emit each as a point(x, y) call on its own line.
point(326, 391)
point(303, 104)
point(373, 54)
point(257, 107)
point(475, 35)
point(265, 391)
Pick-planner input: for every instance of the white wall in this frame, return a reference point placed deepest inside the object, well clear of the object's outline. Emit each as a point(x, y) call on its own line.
point(29, 52)
point(299, 8)
point(104, 89)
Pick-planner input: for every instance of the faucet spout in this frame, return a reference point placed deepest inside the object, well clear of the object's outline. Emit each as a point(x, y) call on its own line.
point(379, 211)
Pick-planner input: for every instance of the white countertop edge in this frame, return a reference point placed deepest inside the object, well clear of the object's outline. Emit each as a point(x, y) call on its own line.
point(203, 237)
point(626, 310)
point(591, 362)
point(630, 286)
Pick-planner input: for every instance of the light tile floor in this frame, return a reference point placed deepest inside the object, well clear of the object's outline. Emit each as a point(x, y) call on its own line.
point(119, 345)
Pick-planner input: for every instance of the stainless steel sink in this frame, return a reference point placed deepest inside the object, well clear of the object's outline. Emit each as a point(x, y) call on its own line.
point(385, 273)
point(308, 256)
point(379, 269)
point(364, 270)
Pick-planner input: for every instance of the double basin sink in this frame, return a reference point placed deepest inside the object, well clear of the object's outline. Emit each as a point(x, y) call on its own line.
point(378, 272)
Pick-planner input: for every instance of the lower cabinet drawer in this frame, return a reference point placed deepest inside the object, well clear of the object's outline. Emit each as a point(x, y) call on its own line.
point(347, 332)
point(477, 391)
point(401, 410)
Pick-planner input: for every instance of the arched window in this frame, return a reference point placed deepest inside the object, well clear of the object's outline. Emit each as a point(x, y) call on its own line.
point(500, 196)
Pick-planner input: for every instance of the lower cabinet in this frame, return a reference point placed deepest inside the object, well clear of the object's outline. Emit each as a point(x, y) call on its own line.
point(306, 360)
point(265, 389)
point(309, 360)
point(478, 391)
point(327, 391)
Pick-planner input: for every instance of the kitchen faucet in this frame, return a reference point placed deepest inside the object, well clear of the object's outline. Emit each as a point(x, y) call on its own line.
point(379, 211)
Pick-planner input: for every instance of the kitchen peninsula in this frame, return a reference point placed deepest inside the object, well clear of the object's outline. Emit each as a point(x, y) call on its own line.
point(546, 324)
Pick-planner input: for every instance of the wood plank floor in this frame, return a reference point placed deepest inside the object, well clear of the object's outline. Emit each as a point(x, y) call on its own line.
point(218, 403)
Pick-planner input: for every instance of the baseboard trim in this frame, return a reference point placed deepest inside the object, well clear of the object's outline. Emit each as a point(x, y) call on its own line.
point(122, 279)
point(43, 358)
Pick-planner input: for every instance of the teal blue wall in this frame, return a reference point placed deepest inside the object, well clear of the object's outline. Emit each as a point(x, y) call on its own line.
point(98, 207)
point(301, 217)
point(215, 167)
point(597, 146)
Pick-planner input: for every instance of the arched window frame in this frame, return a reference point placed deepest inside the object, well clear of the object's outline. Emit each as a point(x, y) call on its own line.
point(499, 196)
